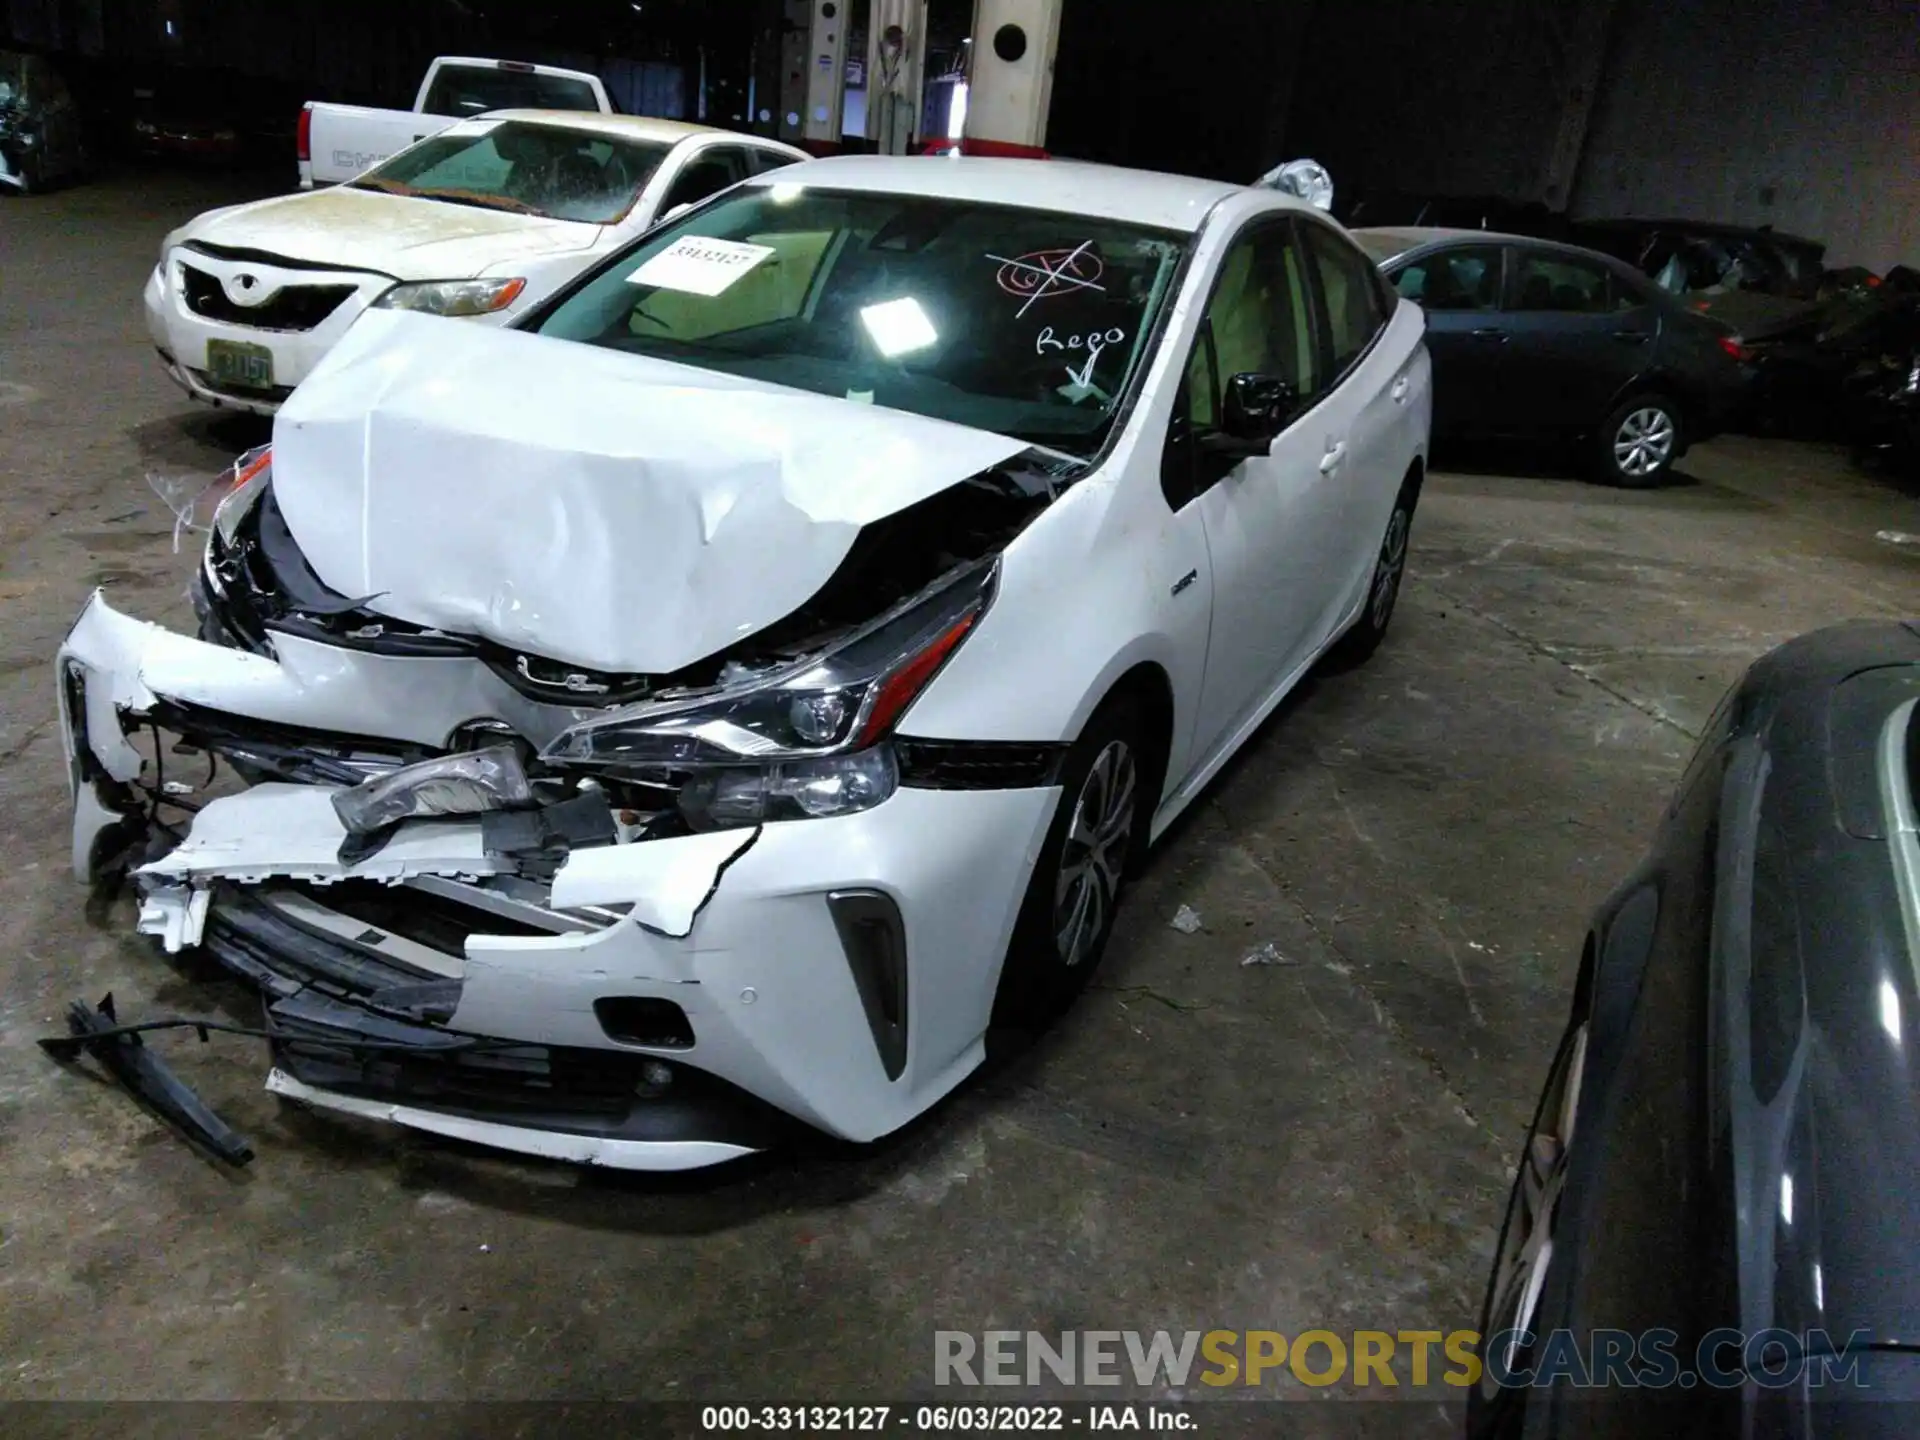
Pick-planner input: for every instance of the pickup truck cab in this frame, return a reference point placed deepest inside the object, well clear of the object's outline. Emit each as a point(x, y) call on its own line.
point(337, 142)
point(483, 220)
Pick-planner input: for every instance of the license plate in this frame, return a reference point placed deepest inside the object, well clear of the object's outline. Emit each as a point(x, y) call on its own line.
point(235, 362)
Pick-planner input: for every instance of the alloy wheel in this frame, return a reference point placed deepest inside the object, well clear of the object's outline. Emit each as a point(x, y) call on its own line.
point(1526, 1249)
point(1095, 854)
point(1644, 442)
point(1393, 563)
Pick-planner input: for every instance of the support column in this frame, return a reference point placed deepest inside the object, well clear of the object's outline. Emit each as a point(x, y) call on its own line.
point(790, 114)
point(1579, 45)
point(826, 74)
point(1010, 76)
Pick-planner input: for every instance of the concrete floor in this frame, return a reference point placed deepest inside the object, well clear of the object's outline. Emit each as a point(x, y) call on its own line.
point(1202, 1144)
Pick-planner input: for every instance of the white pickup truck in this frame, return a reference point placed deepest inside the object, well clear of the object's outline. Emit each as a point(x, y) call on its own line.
point(338, 142)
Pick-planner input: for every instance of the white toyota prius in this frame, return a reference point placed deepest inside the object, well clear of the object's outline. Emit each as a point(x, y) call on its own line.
point(709, 704)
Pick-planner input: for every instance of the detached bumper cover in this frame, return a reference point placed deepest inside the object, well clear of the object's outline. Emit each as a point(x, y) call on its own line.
point(742, 933)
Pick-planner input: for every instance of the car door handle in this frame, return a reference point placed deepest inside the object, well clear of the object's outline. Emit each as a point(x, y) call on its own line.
point(1336, 452)
point(1633, 337)
point(1399, 391)
point(1491, 336)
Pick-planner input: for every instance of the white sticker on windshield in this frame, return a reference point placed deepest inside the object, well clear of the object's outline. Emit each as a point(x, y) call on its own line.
point(699, 266)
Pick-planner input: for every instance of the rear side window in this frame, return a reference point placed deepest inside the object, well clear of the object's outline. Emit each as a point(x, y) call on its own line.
point(1349, 287)
point(470, 90)
point(765, 160)
point(1562, 283)
point(1464, 279)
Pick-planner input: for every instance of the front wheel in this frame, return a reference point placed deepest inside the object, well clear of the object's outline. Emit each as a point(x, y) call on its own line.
point(1075, 889)
point(1639, 442)
point(1526, 1247)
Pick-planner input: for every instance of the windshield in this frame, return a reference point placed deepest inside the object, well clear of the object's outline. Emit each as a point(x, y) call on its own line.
point(515, 165)
point(465, 90)
point(1024, 322)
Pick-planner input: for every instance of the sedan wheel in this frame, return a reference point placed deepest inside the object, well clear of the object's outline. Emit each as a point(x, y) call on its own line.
point(1391, 566)
point(1369, 628)
point(1640, 441)
point(1074, 892)
point(1095, 854)
point(1526, 1240)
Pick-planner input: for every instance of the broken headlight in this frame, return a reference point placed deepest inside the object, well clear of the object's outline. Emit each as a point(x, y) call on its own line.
point(252, 472)
point(725, 797)
point(469, 784)
point(799, 741)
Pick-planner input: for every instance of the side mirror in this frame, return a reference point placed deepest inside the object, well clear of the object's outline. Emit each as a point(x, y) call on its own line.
point(676, 212)
point(1255, 409)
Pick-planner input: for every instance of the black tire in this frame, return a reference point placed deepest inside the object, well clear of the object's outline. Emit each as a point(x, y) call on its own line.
point(1104, 784)
point(1363, 637)
point(1638, 442)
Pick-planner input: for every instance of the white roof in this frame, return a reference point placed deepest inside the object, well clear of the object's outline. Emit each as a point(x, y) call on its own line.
point(1105, 192)
point(624, 127)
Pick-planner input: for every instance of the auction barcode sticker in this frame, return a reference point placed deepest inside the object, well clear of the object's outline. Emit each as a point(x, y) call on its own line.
point(699, 266)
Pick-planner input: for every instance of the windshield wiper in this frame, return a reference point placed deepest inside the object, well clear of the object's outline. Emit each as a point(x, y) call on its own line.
point(385, 187)
point(474, 197)
point(452, 197)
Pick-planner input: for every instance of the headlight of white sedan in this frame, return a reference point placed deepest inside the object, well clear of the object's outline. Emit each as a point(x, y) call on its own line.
point(807, 740)
point(453, 297)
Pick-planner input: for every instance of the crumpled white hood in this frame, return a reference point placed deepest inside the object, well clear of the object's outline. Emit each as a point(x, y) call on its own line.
point(594, 507)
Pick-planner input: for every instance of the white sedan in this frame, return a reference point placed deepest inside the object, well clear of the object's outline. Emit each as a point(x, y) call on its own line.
point(709, 704)
point(483, 220)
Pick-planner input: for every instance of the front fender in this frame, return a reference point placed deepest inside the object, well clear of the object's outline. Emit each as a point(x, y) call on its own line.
point(1104, 581)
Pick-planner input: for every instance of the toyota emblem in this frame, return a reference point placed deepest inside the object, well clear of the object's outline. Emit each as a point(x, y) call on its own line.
point(246, 289)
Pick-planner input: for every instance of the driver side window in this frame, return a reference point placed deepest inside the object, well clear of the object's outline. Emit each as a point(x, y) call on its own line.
point(707, 173)
point(1256, 324)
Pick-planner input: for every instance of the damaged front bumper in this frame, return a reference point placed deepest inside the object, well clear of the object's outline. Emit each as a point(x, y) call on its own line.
point(659, 1004)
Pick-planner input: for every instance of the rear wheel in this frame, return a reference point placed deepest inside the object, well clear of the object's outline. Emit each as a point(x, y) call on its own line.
point(1363, 637)
point(1075, 889)
point(1639, 442)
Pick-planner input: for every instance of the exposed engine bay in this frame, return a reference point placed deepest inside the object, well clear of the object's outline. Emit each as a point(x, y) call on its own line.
point(256, 589)
point(402, 799)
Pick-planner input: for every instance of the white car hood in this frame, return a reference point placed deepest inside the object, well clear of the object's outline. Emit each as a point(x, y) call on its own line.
point(409, 239)
point(603, 509)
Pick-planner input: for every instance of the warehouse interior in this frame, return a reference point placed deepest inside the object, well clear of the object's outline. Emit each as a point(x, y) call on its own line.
point(1299, 1092)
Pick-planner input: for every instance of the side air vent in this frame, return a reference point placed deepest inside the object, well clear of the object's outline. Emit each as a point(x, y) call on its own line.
point(875, 942)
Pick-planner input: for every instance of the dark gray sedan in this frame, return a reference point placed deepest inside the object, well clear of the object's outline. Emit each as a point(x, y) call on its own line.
point(1713, 1226)
point(1538, 340)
